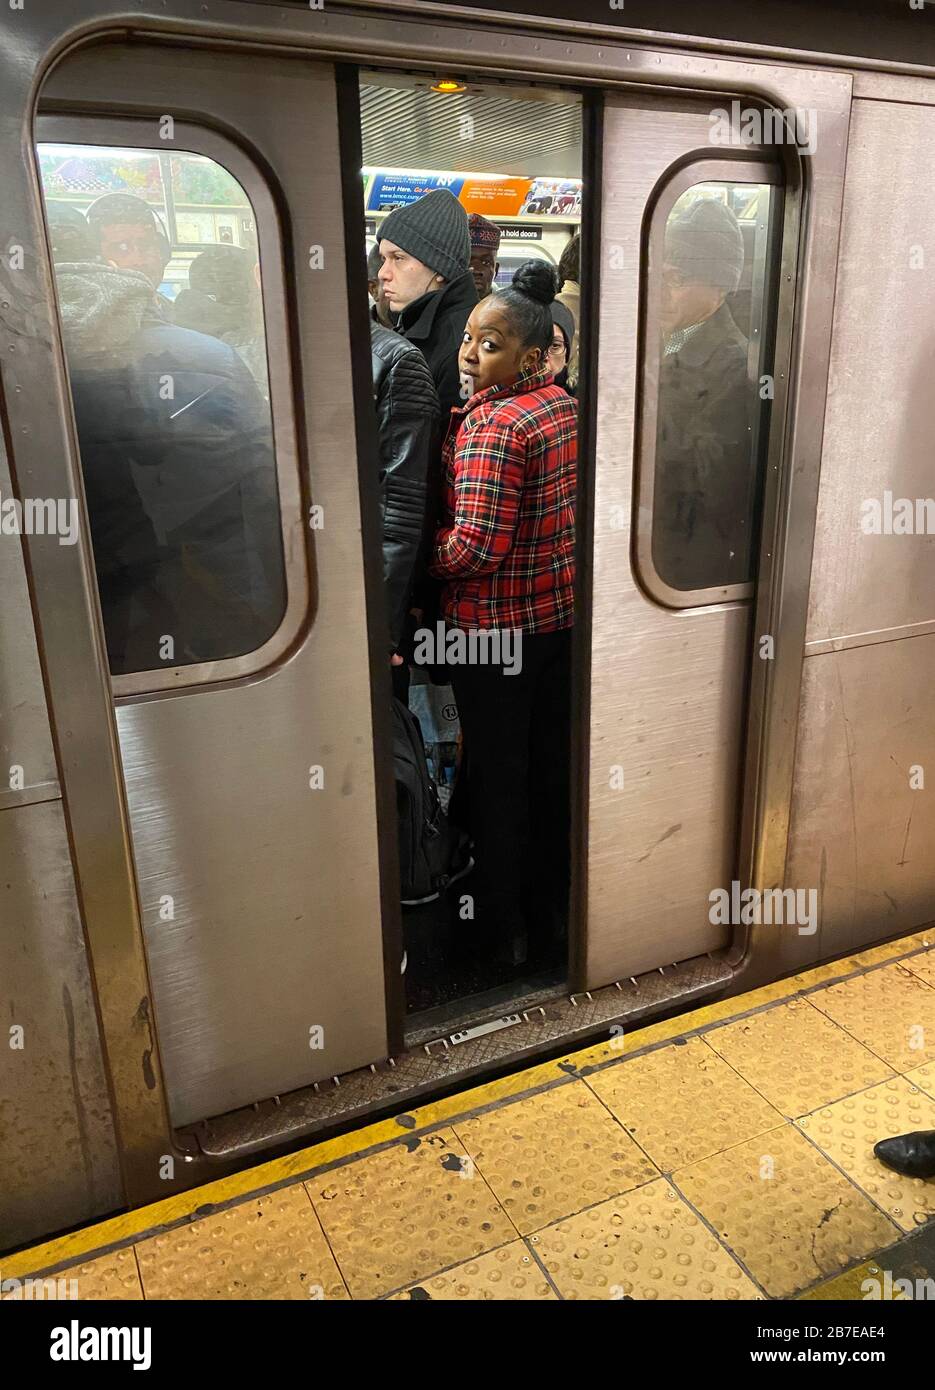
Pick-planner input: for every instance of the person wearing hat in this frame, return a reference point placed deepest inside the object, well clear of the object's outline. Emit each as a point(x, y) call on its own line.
point(563, 341)
point(485, 243)
point(131, 236)
point(705, 473)
point(426, 276)
point(569, 273)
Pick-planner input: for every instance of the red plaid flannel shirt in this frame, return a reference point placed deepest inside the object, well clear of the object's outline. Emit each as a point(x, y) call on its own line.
point(507, 541)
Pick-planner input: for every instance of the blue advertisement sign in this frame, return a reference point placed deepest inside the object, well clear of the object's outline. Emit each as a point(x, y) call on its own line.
point(390, 191)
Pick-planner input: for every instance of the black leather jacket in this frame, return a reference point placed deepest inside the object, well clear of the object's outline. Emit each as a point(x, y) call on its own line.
point(408, 427)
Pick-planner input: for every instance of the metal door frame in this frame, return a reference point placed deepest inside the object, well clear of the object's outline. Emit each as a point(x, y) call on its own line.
point(63, 588)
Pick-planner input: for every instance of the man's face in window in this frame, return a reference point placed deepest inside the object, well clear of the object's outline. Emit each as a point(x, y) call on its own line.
point(135, 246)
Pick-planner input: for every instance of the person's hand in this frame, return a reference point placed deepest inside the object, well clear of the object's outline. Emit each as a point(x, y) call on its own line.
point(396, 659)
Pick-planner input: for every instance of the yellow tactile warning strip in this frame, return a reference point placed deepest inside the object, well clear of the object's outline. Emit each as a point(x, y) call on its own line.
point(923, 1077)
point(682, 1103)
point(647, 1244)
point(434, 1200)
point(400, 1215)
point(848, 1130)
point(115, 1276)
point(507, 1273)
point(272, 1247)
point(786, 1213)
point(923, 966)
point(891, 1011)
point(796, 1057)
point(552, 1154)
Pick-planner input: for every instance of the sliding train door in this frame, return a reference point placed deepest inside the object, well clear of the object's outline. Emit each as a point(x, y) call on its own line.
point(229, 533)
point(682, 424)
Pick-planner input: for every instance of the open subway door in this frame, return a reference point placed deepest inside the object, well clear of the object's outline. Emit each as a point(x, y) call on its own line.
point(682, 423)
point(242, 681)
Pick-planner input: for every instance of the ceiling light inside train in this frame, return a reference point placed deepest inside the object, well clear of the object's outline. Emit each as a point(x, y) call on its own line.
point(447, 85)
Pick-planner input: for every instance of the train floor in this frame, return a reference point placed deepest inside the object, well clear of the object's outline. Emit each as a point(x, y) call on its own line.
point(723, 1154)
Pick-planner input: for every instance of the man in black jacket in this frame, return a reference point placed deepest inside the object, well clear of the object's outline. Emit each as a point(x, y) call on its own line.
point(426, 276)
point(705, 473)
point(407, 425)
point(177, 456)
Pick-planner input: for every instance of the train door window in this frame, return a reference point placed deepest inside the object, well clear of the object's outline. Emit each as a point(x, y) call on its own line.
point(513, 156)
point(156, 261)
point(511, 257)
point(707, 385)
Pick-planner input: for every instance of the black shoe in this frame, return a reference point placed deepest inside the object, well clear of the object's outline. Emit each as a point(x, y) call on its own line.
point(913, 1154)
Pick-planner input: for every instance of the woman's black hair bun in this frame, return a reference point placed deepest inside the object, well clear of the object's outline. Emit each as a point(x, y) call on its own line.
point(536, 280)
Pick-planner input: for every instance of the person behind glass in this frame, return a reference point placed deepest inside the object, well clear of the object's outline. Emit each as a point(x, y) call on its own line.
point(223, 298)
point(177, 459)
point(130, 236)
point(704, 470)
point(379, 309)
point(562, 345)
point(427, 281)
point(569, 274)
point(485, 243)
point(505, 552)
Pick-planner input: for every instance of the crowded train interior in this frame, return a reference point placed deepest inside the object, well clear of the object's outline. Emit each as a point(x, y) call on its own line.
point(512, 157)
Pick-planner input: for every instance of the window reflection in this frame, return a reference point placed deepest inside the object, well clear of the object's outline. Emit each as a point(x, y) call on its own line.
point(167, 364)
point(706, 466)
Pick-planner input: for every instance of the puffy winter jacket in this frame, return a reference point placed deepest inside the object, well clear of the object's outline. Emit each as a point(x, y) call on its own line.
point(408, 427)
point(177, 457)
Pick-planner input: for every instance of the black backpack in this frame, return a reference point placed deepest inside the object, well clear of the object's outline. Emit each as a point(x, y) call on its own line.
point(431, 852)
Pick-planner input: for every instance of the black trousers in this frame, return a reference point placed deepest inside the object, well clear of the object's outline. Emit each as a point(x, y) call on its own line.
point(517, 748)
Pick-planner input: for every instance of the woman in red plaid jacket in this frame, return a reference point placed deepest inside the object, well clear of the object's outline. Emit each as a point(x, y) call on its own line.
point(505, 554)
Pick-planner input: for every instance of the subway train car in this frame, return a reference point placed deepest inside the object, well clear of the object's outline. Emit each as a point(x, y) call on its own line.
point(203, 957)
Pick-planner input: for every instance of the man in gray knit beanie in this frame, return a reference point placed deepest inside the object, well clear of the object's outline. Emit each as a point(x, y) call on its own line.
point(703, 263)
point(426, 277)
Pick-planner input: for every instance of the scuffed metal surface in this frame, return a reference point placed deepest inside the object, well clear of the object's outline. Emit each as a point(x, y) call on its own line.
point(568, 1022)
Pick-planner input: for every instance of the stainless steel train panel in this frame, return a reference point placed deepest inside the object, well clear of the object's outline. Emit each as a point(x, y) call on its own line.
point(27, 758)
point(861, 834)
point(666, 687)
point(862, 825)
point(58, 1157)
point(880, 420)
point(271, 932)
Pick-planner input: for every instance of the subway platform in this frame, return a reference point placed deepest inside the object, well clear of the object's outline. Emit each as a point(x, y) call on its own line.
point(722, 1155)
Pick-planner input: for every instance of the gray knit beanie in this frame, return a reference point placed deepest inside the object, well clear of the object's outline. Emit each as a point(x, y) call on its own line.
point(705, 244)
point(434, 230)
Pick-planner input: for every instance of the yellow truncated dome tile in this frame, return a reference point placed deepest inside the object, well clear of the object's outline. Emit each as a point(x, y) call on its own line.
point(271, 1247)
point(644, 1245)
point(552, 1154)
point(848, 1130)
point(923, 1077)
point(923, 966)
point(891, 1010)
point(507, 1274)
point(796, 1057)
point(683, 1102)
point(111, 1277)
point(400, 1215)
point(785, 1211)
